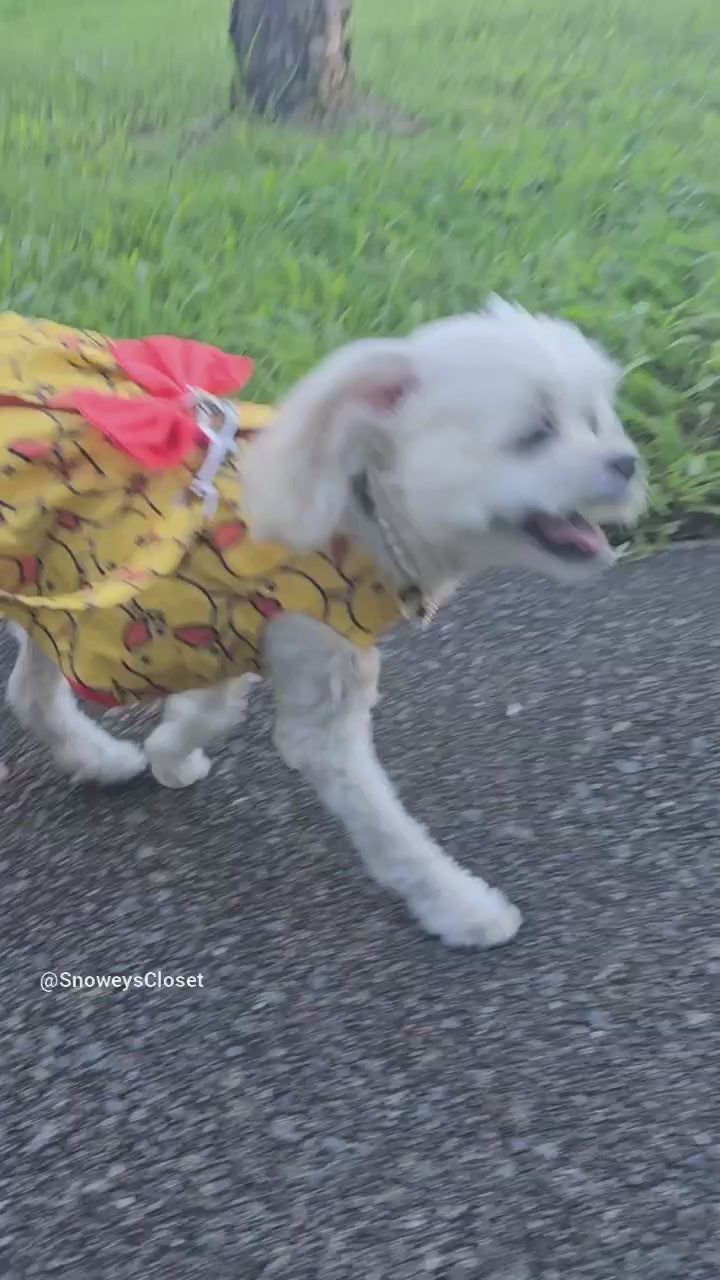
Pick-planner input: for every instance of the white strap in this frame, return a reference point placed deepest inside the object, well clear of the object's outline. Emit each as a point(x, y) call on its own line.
point(220, 443)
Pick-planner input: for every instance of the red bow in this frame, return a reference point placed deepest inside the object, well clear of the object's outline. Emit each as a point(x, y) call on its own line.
point(159, 429)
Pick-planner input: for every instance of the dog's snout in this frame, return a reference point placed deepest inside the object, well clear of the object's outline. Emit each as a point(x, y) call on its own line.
point(624, 464)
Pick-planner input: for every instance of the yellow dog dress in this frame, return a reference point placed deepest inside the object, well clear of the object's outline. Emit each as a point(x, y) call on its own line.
point(129, 568)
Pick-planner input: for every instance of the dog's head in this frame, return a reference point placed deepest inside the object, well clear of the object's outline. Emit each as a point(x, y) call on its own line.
point(494, 435)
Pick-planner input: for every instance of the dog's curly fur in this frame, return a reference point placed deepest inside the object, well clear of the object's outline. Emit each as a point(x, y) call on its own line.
point(481, 441)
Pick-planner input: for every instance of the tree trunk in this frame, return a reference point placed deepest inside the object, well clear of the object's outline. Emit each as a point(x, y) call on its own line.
point(293, 56)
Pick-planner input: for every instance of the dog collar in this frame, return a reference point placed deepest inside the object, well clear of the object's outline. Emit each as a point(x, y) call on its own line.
point(414, 604)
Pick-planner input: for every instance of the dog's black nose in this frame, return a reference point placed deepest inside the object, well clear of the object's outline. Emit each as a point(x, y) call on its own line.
point(624, 464)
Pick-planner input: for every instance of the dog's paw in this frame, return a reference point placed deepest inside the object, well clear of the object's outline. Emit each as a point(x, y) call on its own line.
point(100, 758)
point(171, 772)
point(470, 914)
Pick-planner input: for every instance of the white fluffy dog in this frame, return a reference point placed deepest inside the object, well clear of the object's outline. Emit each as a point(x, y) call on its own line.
point(480, 440)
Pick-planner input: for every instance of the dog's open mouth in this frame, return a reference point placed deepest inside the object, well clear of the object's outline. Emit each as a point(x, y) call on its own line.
point(570, 537)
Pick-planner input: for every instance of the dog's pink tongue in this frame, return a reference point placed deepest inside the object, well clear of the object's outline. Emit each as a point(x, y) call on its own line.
point(564, 531)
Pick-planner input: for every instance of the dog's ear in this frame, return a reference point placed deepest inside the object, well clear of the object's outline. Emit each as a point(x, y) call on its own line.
point(296, 475)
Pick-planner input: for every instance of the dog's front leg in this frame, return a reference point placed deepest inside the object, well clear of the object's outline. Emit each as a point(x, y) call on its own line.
point(324, 690)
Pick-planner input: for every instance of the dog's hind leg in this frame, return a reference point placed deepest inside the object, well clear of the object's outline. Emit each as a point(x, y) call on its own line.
point(44, 704)
point(325, 689)
point(190, 721)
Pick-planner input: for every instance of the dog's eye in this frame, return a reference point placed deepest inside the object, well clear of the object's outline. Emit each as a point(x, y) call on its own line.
point(539, 434)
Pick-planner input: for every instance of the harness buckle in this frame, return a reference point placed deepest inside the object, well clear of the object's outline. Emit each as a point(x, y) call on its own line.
point(220, 443)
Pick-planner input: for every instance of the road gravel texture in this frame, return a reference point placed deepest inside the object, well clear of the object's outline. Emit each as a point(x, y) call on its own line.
point(343, 1098)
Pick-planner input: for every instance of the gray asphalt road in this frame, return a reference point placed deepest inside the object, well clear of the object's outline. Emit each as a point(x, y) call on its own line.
point(344, 1098)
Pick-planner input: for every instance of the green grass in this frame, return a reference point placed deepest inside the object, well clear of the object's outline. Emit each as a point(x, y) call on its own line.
point(571, 159)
